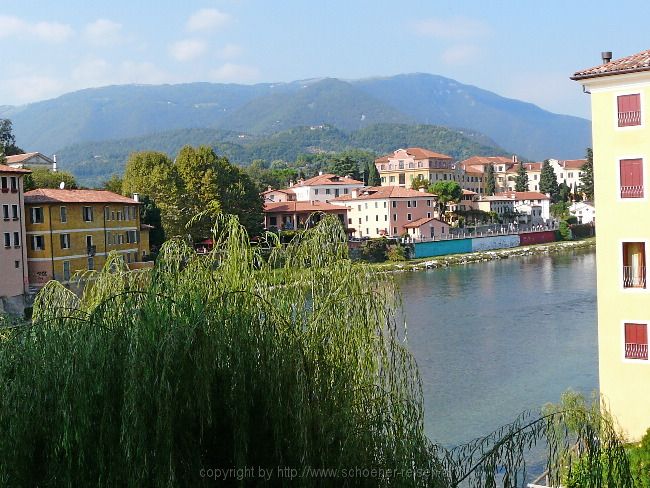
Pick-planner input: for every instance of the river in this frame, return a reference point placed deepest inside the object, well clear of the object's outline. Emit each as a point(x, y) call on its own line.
point(493, 339)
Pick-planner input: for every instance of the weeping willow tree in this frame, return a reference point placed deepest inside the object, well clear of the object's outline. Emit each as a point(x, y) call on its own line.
point(240, 366)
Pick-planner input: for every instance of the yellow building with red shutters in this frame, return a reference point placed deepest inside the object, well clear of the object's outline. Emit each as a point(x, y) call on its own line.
point(620, 105)
point(75, 230)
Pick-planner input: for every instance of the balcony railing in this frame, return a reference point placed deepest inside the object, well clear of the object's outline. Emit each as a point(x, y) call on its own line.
point(626, 119)
point(632, 191)
point(634, 276)
point(636, 351)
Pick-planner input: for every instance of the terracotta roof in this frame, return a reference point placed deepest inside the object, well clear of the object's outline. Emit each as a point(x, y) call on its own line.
point(9, 169)
point(294, 207)
point(469, 192)
point(533, 166)
point(288, 191)
point(483, 160)
point(329, 179)
point(45, 195)
point(573, 163)
point(381, 192)
point(522, 195)
point(416, 153)
point(19, 158)
point(629, 64)
point(420, 222)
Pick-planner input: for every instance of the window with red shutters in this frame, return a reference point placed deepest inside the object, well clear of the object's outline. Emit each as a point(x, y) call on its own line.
point(631, 178)
point(629, 110)
point(636, 341)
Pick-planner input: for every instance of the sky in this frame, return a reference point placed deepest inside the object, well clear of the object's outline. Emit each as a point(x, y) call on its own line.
point(517, 48)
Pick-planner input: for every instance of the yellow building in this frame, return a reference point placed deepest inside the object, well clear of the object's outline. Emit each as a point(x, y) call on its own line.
point(404, 165)
point(620, 104)
point(74, 230)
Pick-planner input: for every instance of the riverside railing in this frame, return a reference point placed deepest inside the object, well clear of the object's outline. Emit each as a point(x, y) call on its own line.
point(501, 230)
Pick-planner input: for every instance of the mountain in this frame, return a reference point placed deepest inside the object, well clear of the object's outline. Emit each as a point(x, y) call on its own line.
point(94, 162)
point(120, 112)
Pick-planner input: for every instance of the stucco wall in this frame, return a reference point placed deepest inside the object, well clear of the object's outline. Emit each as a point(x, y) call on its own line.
point(537, 237)
point(494, 242)
point(440, 248)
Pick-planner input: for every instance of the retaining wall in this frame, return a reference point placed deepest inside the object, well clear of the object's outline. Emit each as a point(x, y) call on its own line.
point(440, 248)
point(541, 237)
point(494, 242)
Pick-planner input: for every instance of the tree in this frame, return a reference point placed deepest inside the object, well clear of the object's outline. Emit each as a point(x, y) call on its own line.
point(345, 166)
point(114, 184)
point(587, 176)
point(521, 182)
point(366, 172)
point(150, 215)
point(490, 182)
point(7, 139)
point(563, 192)
point(577, 196)
point(420, 182)
point(373, 176)
point(548, 181)
point(44, 178)
point(447, 192)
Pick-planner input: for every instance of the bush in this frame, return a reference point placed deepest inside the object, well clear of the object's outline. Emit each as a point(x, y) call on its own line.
point(564, 232)
point(580, 231)
point(640, 461)
point(397, 253)
point(375, 250)
point(572, 220)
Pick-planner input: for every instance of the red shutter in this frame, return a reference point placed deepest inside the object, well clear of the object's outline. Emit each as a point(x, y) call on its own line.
point(631, 178)
point(636, 341)
point(629, 110)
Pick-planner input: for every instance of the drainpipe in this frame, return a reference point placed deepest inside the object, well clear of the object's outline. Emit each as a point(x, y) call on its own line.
point(23, 237)
point(49, 211)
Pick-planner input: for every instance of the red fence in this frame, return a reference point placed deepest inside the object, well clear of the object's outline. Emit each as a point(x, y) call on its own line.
point(541, 237)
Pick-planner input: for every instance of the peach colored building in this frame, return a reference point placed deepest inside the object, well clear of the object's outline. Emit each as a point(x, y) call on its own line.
point(402, 166)
point(13, 256)
point(385, 210)
point(272, 195)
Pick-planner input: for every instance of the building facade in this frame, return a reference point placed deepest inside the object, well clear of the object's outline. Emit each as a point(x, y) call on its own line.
point(13, 255)
point(404, 165)
point(620, 105)
point(294, 215)
point(324, 187)
point(75, 230)
point(34, 160)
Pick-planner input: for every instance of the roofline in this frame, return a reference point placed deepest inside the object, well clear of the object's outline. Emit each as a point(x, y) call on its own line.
point(609, 73)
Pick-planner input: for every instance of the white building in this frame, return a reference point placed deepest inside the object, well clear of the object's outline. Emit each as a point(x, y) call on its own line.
point(33, 160)
point(324, 187)
point(584, 211)
point(530, 207)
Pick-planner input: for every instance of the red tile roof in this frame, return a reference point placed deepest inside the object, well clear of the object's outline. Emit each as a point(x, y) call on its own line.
point(9, 169)
point(573, 163)
point(45, 195)
point(382, 192)
point(297, 207)
point(533, 166)
point(287, 191)
point(329, 179)
point(522, 195)
point(483, 160)
point(629, 64)
point(19, 158)
point(420, 222)
point(416, 153)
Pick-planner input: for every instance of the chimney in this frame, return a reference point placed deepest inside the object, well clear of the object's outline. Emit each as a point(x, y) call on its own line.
point(320, 173)
point(607, 56)
point(355, 192)
point(136, 197)
point(514, 158)
point(421, 189)
point(54, 163)
point(290, 183)
point(268, 188)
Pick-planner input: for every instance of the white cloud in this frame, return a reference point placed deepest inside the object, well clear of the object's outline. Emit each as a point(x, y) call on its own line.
point(99, 72)
point(231, 72)
point(30, 87)
point(187, 49)
point(45, 31)
point(460, 54)
point(103, 32)
point(207, 19)
point(230, 51)
point(452, 29)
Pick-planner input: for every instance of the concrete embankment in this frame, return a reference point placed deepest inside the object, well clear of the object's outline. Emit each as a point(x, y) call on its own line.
point(482, 256)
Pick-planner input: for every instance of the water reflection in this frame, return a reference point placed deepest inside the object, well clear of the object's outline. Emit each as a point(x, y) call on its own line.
point(493, 339)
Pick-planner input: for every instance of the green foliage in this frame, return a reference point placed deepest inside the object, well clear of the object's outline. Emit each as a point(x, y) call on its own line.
point(580, 231)
point(560, 210)
point(114, 184)
point(44, 178)
point(344, 166)
point(587, 177)
point(8, 140)
point(564, 232)
point(150, 215)
point(375, 250)
point(639, 455)
point(572, 219)
point(420, 182)
point(548, 181)
point(397, 252)
point(563, 192)
point(490, 181)
point(447, 192)
point(521, 181)
point(373, 177)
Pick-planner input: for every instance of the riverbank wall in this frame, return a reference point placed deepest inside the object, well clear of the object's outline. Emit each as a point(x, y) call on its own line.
point(429, 249)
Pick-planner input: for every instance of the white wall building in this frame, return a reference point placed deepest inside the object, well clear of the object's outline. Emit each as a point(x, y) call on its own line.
point(324, 187)
point(584, 211)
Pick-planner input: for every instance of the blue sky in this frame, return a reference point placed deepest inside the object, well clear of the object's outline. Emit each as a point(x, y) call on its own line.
point(519, 49)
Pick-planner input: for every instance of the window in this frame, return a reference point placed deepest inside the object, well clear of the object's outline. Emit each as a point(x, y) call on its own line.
point(17, 264)
point(394, 217)
point(408, 217)
point(14, 184)
point(631, 171)
point(345, 191)
point(38, 243)
point(376, 204)
point(636, 341)
point(359, 220)
point(376, 218)
point(4, 184)
point(107, 213)
point(415, 203)
point(629, 110)
point(87, 213)
point(384, 204)
point(315, 191)
point(327, 191)
point(273, 221)
point(428, 203)
point(428, 215)
point(16, 239)
point(392, 179)
point(89, 242)
point(131, 237)
point(36, 215)
point(63, 212)
point(402, 179)
point(65, 241)
point(394, 230)
point(5, 212)
point(7, 239)
point(408, 203)
point(359, 208)
point(385, 217)
point(14, 212)
point(91, 263)
point(401, 165)
point(66, 270)
point(634, 265)
point(394, 204)
point(366, 205)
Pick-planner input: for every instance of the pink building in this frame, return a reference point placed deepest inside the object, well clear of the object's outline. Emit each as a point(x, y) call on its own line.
point(13, 254)
point(386, 210)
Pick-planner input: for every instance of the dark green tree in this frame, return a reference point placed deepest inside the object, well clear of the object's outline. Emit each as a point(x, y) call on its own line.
point(114, 184)
point(548, 181)
point(366, 172)
point(577, 196)
point(373, 176)
point(150, 215)
point(420, 182)
point(587, 176)
point(447, 192)
point(344, 166)
point(521, 182)
point(490, 182)
point(7, 139)
point(563, 192)
point(44, 178)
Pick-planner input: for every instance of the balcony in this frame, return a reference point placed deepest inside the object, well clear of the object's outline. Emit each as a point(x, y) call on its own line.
point(91, 250)
point(636, 351)
point(632, 191)
point(626, 119)
point(634, 277)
